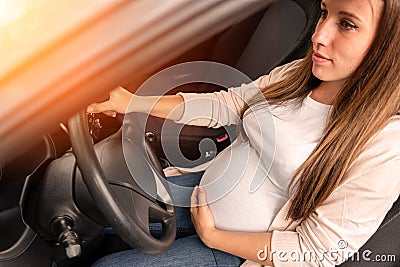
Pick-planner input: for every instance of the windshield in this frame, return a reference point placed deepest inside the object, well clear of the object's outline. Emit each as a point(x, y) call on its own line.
point(27, 26)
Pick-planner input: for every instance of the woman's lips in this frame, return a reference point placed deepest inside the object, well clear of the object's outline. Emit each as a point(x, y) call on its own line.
point(318, 58)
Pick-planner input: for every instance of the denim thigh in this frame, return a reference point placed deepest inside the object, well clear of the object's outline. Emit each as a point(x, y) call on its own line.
point(183, 219)
point(188, 251)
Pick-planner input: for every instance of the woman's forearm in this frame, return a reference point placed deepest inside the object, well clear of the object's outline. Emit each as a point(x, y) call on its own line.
point(251, 246)
point(123, 101)
point(169, 106)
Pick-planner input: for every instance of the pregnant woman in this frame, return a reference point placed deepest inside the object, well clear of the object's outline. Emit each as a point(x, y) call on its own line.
point(315, 168)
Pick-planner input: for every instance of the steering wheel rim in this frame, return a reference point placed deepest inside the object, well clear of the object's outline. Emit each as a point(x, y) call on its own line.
point(128, 225)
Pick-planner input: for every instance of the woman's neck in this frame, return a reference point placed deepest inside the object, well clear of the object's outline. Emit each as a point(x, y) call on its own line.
point(326, 92)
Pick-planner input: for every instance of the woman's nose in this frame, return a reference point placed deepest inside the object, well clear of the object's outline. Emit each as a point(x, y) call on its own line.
point(323, 33)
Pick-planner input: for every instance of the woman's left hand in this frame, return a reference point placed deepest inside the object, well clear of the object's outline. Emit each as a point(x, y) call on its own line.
point(202, 217)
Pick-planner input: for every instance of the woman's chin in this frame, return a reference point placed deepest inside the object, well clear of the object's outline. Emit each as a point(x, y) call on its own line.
point(316, 71)
point(321, 74)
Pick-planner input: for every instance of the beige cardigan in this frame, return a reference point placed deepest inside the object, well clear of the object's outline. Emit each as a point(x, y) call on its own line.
point(350, 216)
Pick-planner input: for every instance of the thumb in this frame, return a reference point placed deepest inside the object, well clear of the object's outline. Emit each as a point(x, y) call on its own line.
point(100, 107)
point(194, 199)
point(202, 195)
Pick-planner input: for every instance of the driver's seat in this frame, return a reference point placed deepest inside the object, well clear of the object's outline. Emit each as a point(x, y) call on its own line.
point(256, 60)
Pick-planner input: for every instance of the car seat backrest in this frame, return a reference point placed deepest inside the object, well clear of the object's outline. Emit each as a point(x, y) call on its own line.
point(273, 39)
point(281, 36)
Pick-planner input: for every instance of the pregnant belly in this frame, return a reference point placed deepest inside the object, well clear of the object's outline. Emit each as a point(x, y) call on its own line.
point(239, 192)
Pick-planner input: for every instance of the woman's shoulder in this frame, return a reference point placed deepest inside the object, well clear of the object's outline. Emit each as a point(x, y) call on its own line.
point(382, 149)
point(388, 139)
point(277, 74)
point(394, 123)
point(390, 134)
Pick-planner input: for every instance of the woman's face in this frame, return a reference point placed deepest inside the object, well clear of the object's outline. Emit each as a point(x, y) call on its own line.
point(343, 36)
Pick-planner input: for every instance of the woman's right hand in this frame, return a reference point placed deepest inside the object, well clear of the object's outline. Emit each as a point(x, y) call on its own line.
point(117, 103)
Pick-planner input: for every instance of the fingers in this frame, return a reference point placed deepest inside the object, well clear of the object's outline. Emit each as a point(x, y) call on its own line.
point(100, 107)
point(193, 199)
point(202, 196)
point(117, 103)
point(199, 197)
point(201, 214)
point(93, 109)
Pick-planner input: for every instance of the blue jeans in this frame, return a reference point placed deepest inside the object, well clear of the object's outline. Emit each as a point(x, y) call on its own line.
point(188, 250)
point(184, 225)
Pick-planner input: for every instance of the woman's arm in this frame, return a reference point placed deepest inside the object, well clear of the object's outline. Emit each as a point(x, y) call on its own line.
point(169, 106)
point(251, 246)
point(202, 109)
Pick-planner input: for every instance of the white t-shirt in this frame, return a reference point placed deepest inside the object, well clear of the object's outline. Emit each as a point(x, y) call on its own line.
point(247, 183)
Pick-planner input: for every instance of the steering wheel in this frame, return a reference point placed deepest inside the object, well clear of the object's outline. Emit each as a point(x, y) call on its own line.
point(130, 221)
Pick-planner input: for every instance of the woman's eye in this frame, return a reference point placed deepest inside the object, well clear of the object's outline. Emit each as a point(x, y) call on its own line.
point(324, 14)
point(347, 25)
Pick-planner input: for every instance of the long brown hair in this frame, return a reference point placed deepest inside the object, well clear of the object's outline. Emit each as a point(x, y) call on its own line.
point(363, 106)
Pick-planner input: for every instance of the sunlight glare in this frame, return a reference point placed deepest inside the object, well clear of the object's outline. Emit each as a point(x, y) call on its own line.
point(11, 10)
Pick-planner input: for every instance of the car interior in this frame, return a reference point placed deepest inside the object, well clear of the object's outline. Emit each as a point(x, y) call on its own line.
point(51, 216)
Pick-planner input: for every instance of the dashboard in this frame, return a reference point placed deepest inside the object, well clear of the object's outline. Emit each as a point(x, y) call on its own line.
point(15, 174)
